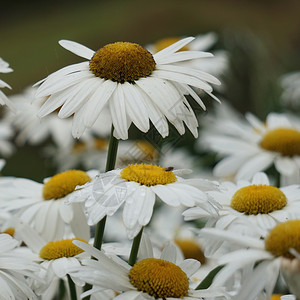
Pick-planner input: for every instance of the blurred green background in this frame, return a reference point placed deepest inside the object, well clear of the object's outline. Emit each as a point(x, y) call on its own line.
point(262, 38)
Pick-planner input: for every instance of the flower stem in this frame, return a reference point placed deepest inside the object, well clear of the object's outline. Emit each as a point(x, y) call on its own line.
point(207, 281)
point(110, 164)
point(112, 151)
point(135, 248)
point(72, 288)
point(278, 179)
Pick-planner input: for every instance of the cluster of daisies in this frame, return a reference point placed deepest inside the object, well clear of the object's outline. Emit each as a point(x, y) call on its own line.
point(127, 219)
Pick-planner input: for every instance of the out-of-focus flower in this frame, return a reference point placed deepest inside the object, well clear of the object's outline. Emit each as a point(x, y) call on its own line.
point(4, 68)
point(291, 89)
point(15, 268)
point(42, 205)
point(253, 148)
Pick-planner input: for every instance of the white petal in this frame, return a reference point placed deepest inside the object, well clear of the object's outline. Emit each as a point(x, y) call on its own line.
point(77, 49)
point(98, 100)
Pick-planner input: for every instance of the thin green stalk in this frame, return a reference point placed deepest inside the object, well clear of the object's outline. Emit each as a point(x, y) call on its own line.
point(278, 179)
point(99, 232)
point(135, 248)
point(112, 151)
point(72, 288)
point(110, 164)
point(61, 289)
point(207, 281)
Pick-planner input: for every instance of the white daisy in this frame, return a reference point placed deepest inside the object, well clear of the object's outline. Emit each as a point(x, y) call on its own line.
point(291, 89)
point(15, 267)
point(55, 259)
point(263, 256)
point(42, 205)
point(4, 68)
point(137, 186)
point(202, 42)
point(249, 150)
point(150, 278)
point(136, 86)
point(258, 203)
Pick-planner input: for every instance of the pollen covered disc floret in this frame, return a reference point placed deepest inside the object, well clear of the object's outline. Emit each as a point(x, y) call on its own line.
point(283, 237)
point(159, 278)
point(258, 199)
point(62, 248)
point(283, 140)
point(64, 183)
point(148, 175)
point(122, 62)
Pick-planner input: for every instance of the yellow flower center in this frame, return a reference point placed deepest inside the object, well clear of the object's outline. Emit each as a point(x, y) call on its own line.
point(64, 183)
point(191, 249)
point(10, 231)
point(122, 62)
point(283, 237)
point(147, 174)
point(78, 147)
point(276, 296)
point(159, 278)
point(148, 150)
point(100, 144)
point(258, 199)
point(62, 248)
point(164, 43)
point(283, 140)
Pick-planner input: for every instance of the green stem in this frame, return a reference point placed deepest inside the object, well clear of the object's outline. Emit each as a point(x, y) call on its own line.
point(278, 177)
point(110, 164)
point(135, 248)
point(72, 288)
point(112, 151)
point(61, 289)
point(207, 281)
point(99, 232)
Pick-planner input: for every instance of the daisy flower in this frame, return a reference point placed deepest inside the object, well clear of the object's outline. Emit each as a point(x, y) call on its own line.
point(135, 85)
point(42, 205)
point(137, 186)
point(4, 68)
point(254, 148)
point(266, 255)
point(202, 42)
point(258, 203)
point(54, 257)
point(149, 278)
point(15, 267)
